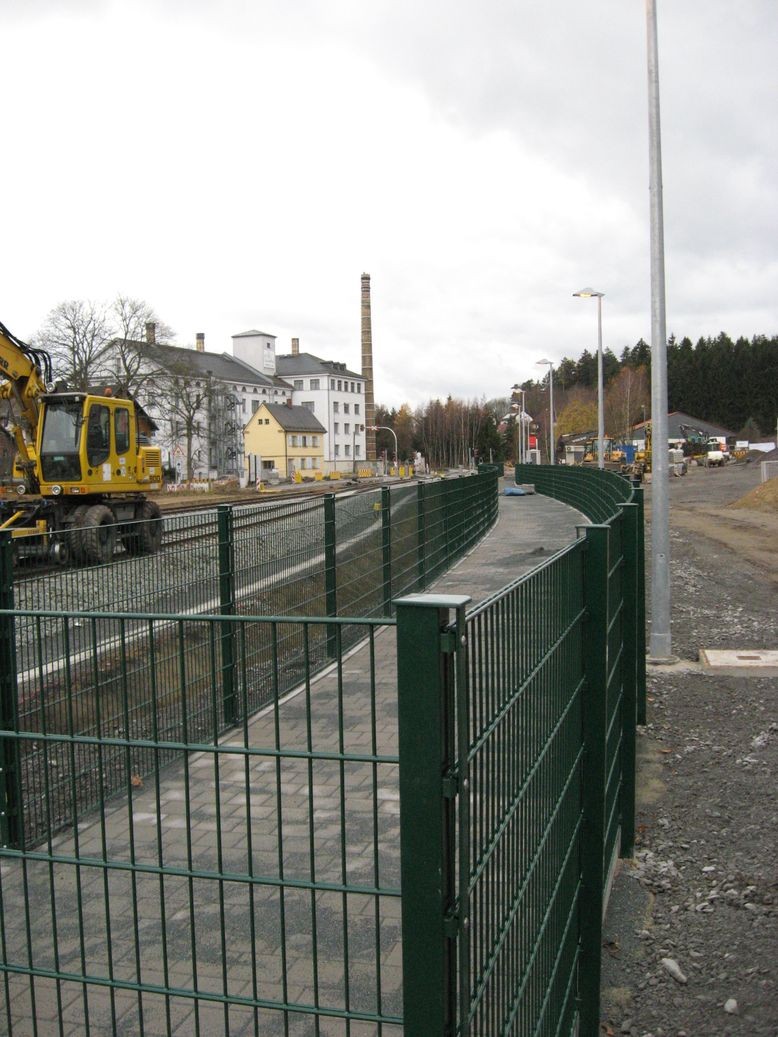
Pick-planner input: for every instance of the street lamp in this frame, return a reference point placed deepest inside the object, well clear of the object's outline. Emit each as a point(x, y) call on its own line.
point(522, 423)
point(589, 293)
point(386, 428)
point(551, 441)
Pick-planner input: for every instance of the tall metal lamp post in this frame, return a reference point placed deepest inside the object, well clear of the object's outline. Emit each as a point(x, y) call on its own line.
point(589, 293)
point(386, 428)
point(551, 440)
point(516, 389)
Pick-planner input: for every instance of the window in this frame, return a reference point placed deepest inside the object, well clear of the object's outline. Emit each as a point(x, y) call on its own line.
point(97, 433)
point(314, 440)
point(298, 383)
point(356, 408)
point(303, 441)
point(359, 387)
point(346, 408)
point(357, 450)
point(254, 406)
point(335, 407)
point(336, 427)
point(267, 421)
point(121, 430)
point(352, 387)
point(337, 450)
point(314, 384)
point(332, 383)
point(243, 406)
point(348, 450)
point(347, 428)
point(293, 440)
point(308, 404)
point(340, 384)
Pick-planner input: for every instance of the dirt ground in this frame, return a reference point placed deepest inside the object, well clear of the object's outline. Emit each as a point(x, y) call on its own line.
point(692, 927)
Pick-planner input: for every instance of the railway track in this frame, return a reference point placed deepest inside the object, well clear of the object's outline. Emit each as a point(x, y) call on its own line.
point(198, 522)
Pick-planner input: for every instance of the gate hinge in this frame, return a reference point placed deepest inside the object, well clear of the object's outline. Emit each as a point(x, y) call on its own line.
point(450, 786)
point(448, 642)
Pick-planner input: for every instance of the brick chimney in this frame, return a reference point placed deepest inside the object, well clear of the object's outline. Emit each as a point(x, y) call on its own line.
point(289, 401)
point(200, 341)
point(151, 332)
point(295, 347)
point(367, 367)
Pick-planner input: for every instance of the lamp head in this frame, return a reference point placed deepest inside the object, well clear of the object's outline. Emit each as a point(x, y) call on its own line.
point(588, 293)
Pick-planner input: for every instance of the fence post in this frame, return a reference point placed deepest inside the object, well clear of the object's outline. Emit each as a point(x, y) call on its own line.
point(386, 548)
point(427, 736)
point(10, 801)
point(630, 646)
point(595, 652)
point(637, 496)
point(330, 572)
point(227, 608)
point(421, 529)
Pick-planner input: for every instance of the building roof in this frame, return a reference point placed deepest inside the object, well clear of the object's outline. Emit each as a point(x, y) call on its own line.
point(223, 366)
point(306, 363)
point(252, 334)
point(293, 419)
point(677, 418)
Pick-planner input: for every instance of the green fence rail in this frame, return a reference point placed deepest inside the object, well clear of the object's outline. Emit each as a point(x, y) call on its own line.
point(334, 825)
point(328, 557)
point(517, 781)
point(247, 884)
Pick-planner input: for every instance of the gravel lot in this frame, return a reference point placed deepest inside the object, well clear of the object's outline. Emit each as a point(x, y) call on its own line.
point(692, 928)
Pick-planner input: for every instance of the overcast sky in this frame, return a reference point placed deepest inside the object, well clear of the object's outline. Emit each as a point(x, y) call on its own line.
point(239, 164)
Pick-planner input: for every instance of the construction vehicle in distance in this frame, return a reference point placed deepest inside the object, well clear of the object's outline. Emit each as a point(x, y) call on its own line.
point(613, 456)
point(706, 450)
point(78, 473)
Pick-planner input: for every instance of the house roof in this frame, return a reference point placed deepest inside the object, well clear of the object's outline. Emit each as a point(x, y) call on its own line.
point(252, 334)
point(293, 419)
point(306, 363)
point(677, 418)
point(223, 366)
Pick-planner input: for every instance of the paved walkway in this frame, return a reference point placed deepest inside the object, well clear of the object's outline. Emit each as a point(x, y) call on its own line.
point(177, 863)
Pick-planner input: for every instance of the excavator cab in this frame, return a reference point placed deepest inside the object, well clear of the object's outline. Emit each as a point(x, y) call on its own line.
point(90, 444)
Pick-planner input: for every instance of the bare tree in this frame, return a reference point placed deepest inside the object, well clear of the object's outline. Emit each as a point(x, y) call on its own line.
point(184, 397)
point(77, 334)
point(626, 396)
point(134, 368)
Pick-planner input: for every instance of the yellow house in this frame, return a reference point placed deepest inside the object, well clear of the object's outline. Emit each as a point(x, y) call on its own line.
point(286, 438)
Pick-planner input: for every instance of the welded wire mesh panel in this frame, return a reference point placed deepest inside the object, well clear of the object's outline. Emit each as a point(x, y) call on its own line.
point(248, 886)
point(278, 558)
point(181, 575)
point(359, 554)
point(404, 539)
point(615, 686)
point(594, 492)
point(519, 830)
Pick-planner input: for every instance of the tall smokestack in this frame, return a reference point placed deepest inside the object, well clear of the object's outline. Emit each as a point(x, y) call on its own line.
point(151, 332)
point(200, 341)
point(295, 347)
point(367, 367)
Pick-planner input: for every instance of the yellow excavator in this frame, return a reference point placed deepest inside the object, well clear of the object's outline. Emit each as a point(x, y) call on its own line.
point(79, 470)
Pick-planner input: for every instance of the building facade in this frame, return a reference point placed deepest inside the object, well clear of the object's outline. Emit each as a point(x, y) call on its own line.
point(283, 439)
point(336, 396)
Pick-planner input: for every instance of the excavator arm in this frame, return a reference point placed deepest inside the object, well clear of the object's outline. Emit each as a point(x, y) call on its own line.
point(24, 372)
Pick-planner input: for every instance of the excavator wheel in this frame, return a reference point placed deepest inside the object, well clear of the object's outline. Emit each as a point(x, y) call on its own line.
point(98, 535)
point(72, 548)
point(145, 537)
